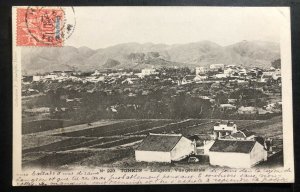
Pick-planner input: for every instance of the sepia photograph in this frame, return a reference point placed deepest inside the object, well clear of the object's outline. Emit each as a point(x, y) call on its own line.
point(163, 95)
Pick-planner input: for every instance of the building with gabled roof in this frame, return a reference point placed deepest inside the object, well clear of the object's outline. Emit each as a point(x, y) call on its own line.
point(237, 153)
point(201, 70)
point(244, 134)
point(247, 110)
point(148, 71)
point(224, 127)
point(164, 148)
point(188, 79)
point(227, 106)
point(216, 66)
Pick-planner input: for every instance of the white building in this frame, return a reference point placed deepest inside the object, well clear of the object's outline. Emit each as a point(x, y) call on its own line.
point(236, 153)
point(200, 77)
point(149, 71)
point(36, 78)
point(231, 66)
point(201, 70)
point(228, 71)
point(38, 110)
point(266, 76)
point(222, 128)
point(96, 73)
point(94, 79)
point(188, 79)
point(243, 71)
point(164, 148)
point(276, 74)
point(216, 66)
point(51, 76)
point(243, 134)
point(227, 106)
point(221, 75)
point(127, 81)
point(247, 110)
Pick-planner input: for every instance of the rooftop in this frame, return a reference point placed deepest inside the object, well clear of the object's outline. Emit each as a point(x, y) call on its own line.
point(224, 122)
point(190, 77)
point(200, 137)
point(159, 142)
point(247, 132)
point(235, 146)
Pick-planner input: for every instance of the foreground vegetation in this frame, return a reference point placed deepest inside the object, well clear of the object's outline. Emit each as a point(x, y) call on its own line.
point(81, 148)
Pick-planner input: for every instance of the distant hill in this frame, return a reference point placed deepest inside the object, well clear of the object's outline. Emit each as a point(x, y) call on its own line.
point(135, 55)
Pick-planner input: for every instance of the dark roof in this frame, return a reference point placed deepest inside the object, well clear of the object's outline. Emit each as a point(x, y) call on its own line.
point(221, 131)
point(260, 140)
point(232, 146)
point(238, 134)
point(200, 137)
point(247, 132)
point(159, 142)
point(243, 133)
point(227, 137)
point(225, 122)
point(190, 77)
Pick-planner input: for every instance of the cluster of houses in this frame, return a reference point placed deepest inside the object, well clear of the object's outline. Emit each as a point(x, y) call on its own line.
point(93, 77)
point(61, 76)
point(134, 83)
point(270, 108)
point(215, 73)
point(226, 147)
point(218, 72)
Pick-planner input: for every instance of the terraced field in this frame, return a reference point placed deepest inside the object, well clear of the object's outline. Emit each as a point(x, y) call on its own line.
point(73, 145)
point(174, 127)
point(43, 125)
point(118, 142)
point(116, 129)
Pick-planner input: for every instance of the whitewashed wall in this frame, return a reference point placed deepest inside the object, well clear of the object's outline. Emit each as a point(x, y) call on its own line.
point(183, 148)
point(258, 154)
point(207, 146)
point(152, 156)
point(234, 160)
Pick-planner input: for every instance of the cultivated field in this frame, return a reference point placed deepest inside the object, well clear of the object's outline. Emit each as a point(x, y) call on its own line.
point(112, 142)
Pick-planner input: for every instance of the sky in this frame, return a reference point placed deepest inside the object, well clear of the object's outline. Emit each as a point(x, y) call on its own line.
point(100, 27)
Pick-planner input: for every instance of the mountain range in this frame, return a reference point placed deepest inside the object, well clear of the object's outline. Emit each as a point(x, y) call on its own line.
point(137, 56)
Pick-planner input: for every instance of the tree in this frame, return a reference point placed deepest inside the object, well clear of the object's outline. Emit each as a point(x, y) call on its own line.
point(221, 97)
point(276, 64)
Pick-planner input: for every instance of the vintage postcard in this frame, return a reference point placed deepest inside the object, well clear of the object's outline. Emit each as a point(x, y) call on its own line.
point(152, 95)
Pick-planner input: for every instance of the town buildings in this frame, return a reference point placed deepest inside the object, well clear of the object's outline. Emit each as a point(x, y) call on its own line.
point(247, 110)
point(201, 70)
point(229, 147)
point(216, 66)
point(149, 71)
point(154, 93)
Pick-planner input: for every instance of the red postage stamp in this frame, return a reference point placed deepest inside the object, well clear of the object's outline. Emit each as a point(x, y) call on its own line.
point(40, 26)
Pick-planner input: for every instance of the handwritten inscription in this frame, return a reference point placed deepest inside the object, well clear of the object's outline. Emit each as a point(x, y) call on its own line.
point(138, 176)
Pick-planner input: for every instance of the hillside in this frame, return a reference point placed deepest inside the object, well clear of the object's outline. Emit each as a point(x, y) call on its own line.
point(135, 55)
